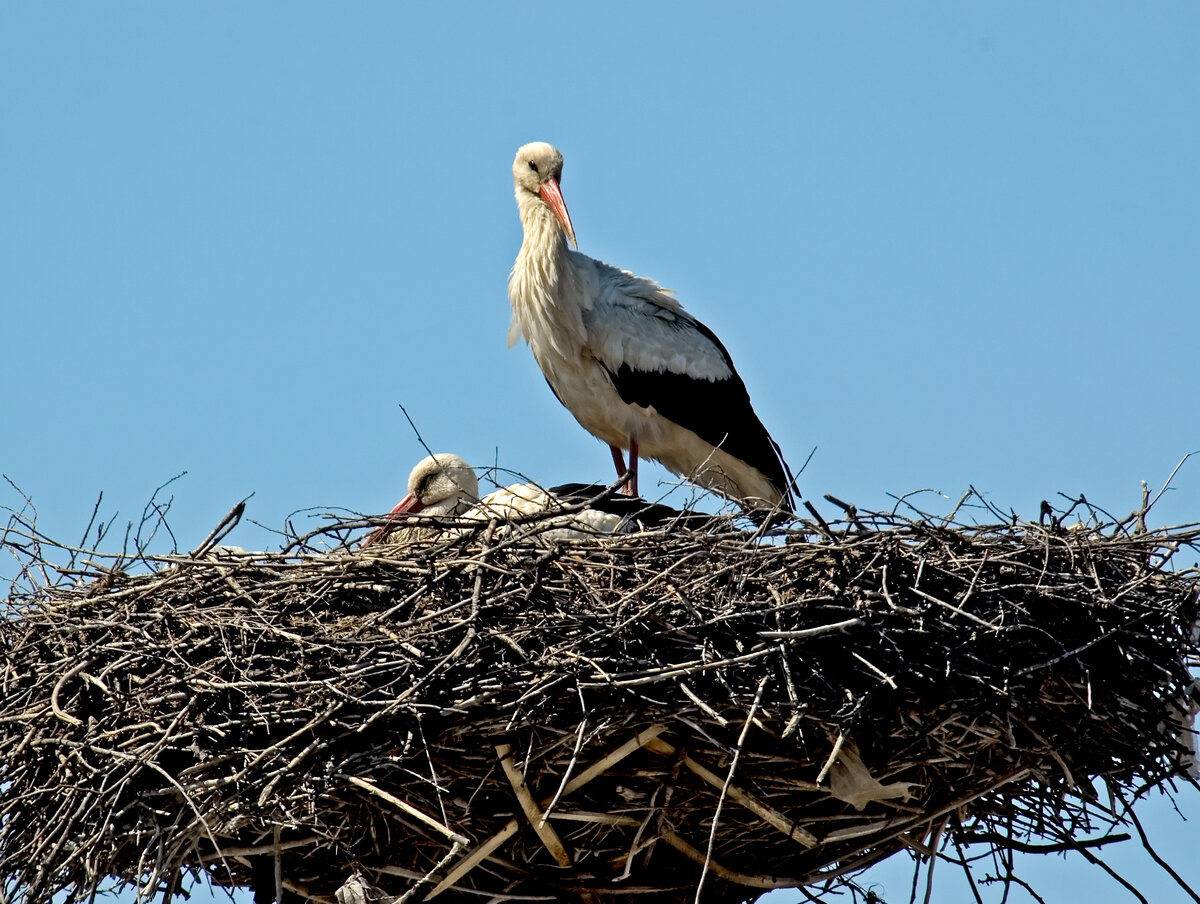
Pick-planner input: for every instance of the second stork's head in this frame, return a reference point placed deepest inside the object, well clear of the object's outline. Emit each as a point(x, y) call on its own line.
point(537, 171)
point(441, 485)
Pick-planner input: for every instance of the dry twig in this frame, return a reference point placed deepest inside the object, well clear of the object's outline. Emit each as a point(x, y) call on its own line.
point(269, 717)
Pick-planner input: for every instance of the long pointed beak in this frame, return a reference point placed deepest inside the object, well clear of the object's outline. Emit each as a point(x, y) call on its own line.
point(409, 505)
point(552, 195)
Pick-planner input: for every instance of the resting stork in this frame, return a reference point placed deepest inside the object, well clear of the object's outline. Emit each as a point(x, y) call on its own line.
point(443, 485)
point(439, 486)
point(634, 368)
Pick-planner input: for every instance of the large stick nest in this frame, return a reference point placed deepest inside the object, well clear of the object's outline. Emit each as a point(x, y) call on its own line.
point(687, 707)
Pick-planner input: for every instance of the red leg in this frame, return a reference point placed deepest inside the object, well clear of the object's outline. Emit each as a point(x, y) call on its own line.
point(631, 488)
point(618, 460)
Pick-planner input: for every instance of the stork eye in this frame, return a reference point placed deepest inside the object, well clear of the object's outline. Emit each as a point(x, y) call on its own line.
point(533, 166)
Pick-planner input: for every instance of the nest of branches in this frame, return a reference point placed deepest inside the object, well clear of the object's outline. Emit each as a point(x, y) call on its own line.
point(687, 714)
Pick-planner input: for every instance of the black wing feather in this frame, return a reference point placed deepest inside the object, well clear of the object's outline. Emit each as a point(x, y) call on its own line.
point(718, 411)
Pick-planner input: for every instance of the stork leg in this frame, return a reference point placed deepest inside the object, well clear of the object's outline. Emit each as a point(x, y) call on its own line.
point(631, 488)
point(619, 460)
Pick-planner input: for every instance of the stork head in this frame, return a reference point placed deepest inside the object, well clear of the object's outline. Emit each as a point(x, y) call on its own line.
point(537, 171)
point(440, 485)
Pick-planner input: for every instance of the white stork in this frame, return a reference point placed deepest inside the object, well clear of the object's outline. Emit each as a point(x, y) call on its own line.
point(445, 486)
point(439, 486)
point(634, 368)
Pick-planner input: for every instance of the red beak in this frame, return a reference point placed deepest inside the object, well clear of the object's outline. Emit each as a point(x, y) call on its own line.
point(552, 195)
point(409, 505)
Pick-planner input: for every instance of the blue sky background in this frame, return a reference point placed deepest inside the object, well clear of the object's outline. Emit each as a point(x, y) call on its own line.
point(947, 245)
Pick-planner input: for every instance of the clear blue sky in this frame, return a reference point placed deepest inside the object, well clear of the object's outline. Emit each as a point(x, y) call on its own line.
point(947, 245)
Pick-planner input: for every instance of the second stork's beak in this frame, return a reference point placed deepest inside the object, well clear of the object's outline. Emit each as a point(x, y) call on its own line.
point(409, 505)
point(552, 195)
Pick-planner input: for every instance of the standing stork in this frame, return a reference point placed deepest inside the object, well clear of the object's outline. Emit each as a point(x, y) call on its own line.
point(623, 356)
